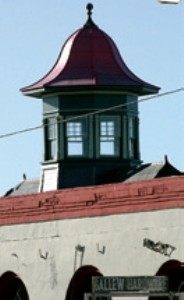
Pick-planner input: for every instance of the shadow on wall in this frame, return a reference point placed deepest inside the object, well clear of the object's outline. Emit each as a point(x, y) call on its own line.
point(12, 287)
point(81, 282)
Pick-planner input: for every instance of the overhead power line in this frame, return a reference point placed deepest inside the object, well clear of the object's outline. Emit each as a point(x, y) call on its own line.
point(6, 135)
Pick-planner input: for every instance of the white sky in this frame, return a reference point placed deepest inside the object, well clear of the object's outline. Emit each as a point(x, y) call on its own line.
point(150, 38)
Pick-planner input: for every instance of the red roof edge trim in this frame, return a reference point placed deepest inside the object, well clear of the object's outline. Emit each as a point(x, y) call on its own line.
point(105, 200)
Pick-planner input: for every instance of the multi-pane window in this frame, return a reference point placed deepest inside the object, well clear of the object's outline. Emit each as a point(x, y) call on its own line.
point(132, 137)
point(125, 137)
point(51, 138)
point(76, 138)
point(109, 136)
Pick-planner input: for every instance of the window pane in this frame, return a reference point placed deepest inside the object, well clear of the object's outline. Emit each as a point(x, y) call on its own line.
point(75, 148)
point(74, 128)
point(51, 138)
point(51, 128)
point(132, 138)
point(108, 139)
point(132, 127)
point(53, 149)
point(107, 128)
point(107, 148)
point(76, 138)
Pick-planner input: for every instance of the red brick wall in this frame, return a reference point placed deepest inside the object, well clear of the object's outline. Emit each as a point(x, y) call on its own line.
point(157, 194)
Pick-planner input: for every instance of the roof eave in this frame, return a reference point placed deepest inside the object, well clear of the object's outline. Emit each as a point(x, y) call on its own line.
point(42, 91)
point(149, 90)
point(36, 93)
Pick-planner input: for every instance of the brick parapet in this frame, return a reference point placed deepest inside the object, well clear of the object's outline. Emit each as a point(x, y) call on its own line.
point(120, 198)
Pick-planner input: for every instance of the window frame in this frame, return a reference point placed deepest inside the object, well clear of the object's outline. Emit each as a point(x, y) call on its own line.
point(51, 138)
point(113, 138)
point(133, 137)
point(80, 136)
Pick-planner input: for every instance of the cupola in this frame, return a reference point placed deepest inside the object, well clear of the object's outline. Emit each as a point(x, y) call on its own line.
point(90, 112)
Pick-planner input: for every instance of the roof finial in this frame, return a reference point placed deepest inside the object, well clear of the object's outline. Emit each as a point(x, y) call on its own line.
point(165, 159)
point(89, 8)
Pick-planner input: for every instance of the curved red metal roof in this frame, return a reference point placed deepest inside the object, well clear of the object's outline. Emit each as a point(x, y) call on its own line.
point(90, 58)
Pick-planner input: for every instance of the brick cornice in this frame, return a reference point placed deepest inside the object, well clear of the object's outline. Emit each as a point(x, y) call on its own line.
point(120, 198)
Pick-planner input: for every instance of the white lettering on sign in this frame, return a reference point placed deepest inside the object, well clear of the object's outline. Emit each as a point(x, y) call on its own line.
point(109, 284)
point(118, 284)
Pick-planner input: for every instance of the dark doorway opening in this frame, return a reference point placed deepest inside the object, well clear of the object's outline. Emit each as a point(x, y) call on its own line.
point(81, 282)
point(12, 287)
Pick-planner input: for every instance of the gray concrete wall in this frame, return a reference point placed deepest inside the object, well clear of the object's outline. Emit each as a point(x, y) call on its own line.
point(44, 254)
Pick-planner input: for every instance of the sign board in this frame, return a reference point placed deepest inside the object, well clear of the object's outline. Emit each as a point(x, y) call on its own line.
point(108, 284)
point(169, 1)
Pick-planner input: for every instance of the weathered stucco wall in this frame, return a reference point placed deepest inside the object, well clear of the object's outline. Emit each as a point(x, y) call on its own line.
point(46, 255)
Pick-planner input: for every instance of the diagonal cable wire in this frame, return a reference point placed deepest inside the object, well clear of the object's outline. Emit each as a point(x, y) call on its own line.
point(6, 135)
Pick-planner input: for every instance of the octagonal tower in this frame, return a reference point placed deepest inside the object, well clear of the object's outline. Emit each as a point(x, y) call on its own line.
point(90, 112)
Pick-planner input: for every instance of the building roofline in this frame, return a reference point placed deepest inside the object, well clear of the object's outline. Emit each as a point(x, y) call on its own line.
point(105, 200)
